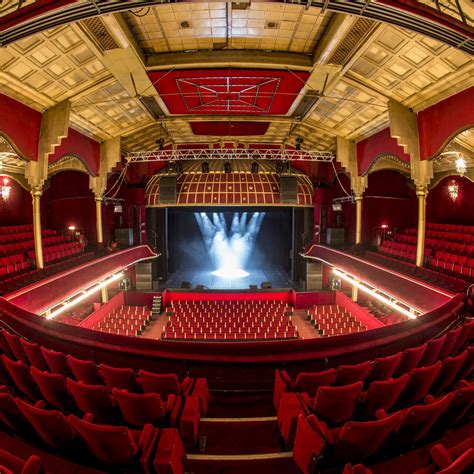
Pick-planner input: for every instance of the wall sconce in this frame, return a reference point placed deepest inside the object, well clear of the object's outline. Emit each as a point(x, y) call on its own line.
point(453, 190)
point(5, 189)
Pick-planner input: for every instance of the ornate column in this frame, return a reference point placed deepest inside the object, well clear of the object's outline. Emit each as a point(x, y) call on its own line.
point(105, 295)
point(98, 218)
point(36, 193)
point(358, 230)
point(421, 193)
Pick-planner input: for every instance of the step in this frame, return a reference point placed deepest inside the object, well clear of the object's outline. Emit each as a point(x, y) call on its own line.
point(273, 463)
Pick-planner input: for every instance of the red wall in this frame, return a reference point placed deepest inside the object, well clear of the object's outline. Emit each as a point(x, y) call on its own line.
point(78, 144)
point(440, 122)
point(21, 124)
point(442, 209)
point(380, 143)
point(18, 209)
point(71, 202)
point(387, 200)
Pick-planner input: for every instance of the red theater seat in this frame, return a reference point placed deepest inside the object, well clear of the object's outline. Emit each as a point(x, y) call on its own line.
point(84, 370)
point(384, 367)
point(56, 361)
point(309, 445)
point(53, 389)
point(348, 374)
point(451, 338)
point(138, 409)
point(16, 347)
point(189, 422)
point(309, 382)
point(410, 359)
point(433, 347)
point(466, 334)
point(170, 457)
point(93, 399)
point(34, 354)
point(11, 416)
point(50, 425)
point(419, 383)
point(116, 445)
point(11, 464)
point(164, 384)
point(20, 374)
point(449, 370)
point(121, 378)
point(382, 394)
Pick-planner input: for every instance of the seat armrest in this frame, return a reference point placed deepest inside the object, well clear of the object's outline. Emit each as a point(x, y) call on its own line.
point(175, 410)
point(147, 446)
point(440, 456)
point(201, 390)
point(89, 417)
point(186, 386)
point(429, 399)
point(381, 414)
point(40, 404)
point(148, 434)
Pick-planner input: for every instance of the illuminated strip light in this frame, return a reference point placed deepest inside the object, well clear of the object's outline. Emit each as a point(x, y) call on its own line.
point(84, 295)
point(375, 294)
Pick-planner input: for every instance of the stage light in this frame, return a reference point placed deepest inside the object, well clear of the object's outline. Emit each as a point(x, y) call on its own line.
point(229, 248)
point(266, 285)
point(72, 227)
point(227, 167)
point(254, 167)
point(205, 167)
point(84, 294)
point(186, 285)
point(384, 226)
point(375, 294)
point(298, 142)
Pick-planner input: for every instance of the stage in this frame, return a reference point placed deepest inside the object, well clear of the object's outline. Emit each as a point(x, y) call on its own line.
point(276, 275)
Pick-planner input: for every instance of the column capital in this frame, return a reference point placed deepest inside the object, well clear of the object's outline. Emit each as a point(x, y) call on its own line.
point(36, 191)
point(98, 197)
point(422, 190)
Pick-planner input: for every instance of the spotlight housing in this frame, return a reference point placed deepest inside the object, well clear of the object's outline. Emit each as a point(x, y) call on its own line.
point(255, 167)
point(227, 167)
point(298, 142)
point(205, 167)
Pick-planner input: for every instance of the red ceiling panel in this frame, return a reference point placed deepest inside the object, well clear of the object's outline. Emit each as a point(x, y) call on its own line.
point(229, 129)
point(228, 91)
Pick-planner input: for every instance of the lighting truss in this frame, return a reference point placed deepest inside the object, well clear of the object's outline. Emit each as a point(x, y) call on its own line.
point(393, 303)
point(229, 154)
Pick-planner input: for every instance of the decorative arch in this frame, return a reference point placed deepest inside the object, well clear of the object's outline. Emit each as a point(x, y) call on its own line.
point(18, 178)
point(438, 177)
point(69, 162)
point(13, 161)
point(388, 161)
point(448, 140)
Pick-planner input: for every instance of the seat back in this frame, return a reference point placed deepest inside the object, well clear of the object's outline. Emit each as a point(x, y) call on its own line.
point(34, 354)
point(11, 416)
point(461, 403)
point(164, 384)
point(308, 446)
point(449, 370)
point(467, 333)
point(53, 389)
point(384, 367)
point(4, 346)
point(15, 346)
point(360, 440)
point(451, 338)
point(139, 408)
point(121, 378)
point(282, 384)
point(336, 404)
point(347, 374)
point(170, 456)
point(433, 347)
point(56, 361)
point(16, 465)
point(419, 383)
point(410, 359)
point(111, 444)
point(50, 425)
point(93, 399)
point(309, 382)
point(417, 420)
point(383, 394)
point(84, 370)
point(20, 374)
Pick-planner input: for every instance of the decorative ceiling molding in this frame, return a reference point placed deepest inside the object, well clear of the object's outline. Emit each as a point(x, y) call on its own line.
point(388, 162)
point(69, 162)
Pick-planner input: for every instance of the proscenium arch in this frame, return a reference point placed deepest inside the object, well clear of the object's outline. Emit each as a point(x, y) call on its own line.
point(13, 146)
point(448, 140)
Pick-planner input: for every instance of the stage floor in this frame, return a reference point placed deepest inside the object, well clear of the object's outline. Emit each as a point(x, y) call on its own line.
point(277, 277)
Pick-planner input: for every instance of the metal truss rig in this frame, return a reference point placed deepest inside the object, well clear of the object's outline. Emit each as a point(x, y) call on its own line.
point(229, 154)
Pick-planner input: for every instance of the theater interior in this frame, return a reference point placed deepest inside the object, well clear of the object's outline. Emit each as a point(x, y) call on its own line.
point(237, 236)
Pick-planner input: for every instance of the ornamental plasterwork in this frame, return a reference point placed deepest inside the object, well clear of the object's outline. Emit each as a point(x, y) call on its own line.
point(388, 162)
point(69, 163)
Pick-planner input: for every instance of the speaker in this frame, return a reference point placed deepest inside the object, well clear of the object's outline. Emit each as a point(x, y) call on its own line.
point(199, 287)
point(186, 285)
point(266, 285)
point(168, 190)
point(253, 287)
point(288, 190)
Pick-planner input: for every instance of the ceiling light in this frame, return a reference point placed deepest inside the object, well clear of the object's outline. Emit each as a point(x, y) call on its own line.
point(185, 24)
point(271, 24)
point(461, 166)
point(375, 294)
point(5, 189)
point(453, 190)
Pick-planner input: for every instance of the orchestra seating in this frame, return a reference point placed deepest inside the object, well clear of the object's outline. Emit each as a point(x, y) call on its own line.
point(449, 249)
point(125, 320)
point(229, 320)
point(70, 403)
point(334, 320)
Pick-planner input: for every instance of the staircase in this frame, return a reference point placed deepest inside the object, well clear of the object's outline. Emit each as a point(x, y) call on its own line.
point(156, 307)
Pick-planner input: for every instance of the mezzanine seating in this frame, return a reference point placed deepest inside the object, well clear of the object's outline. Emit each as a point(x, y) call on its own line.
point(125, 320)
point(229, 320)
point(334, 320)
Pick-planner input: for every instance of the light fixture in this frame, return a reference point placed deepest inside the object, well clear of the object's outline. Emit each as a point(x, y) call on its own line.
point(205, 167)
point(375, 294)
point(72, 227)
point(83, 295)
point(384, 226)
point(461, 166)
point(254, 167)
point(5, 189)
point(227, 167)
point(453, 190)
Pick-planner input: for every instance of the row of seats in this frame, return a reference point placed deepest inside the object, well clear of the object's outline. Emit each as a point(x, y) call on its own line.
point(333, 320)
point(443, 280)
point(380, 369)
point(22, 236)
point(435, 244)
point(254, 334)
point(15, 229)
point(125, 320)
point(24, 246)
point(357, 441)
point(56, 252)
point(407, 252)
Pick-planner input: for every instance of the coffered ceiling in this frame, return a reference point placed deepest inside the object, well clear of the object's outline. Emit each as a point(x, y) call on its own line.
point(150, 73)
